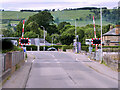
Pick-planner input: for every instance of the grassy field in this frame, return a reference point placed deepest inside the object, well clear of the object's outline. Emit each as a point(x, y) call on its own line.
point(16, 14)
point(68, 16)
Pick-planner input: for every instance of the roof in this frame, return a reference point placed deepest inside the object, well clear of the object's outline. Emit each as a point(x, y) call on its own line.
point(111, 33)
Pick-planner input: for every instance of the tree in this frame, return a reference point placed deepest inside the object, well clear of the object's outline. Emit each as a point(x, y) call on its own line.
point(52, 29)
point(80, 33)
point(62, 25)
point(19, 29)
point(65, 28)
point(33, 26)
point(67, 36)
point(56, 38)
point(43, 18)
point(8, 32)
point(30, 34)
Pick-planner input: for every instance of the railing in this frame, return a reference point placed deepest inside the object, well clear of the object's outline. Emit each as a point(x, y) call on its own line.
point(10, 59)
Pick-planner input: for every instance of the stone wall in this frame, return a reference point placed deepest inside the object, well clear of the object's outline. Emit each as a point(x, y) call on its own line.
point(111, 60)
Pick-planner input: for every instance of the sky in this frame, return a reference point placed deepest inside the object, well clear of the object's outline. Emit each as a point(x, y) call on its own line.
point(16, 5)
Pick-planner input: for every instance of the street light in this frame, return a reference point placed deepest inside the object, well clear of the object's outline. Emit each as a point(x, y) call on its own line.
point(44, 38)
point(101, 31)
point(75, 35)
point(38, 42)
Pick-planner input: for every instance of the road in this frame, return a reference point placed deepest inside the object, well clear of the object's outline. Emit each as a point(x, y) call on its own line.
point(64, 70)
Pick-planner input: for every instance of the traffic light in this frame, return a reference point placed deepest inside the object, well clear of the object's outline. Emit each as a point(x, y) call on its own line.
point(96, 41)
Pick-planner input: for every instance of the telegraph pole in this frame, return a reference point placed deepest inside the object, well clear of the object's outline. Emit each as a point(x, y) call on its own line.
point(44, 38)
point(101, 31)
point(75, 38)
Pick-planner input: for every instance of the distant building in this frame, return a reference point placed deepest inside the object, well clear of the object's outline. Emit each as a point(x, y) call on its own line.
point(14, 25)
point(112, 37)
point(34, 41)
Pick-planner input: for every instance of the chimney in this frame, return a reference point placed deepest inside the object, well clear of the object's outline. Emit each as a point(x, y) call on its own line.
point(117, 29)
point(111, 27)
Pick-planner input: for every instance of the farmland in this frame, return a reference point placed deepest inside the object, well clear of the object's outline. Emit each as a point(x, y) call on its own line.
point(68, 16)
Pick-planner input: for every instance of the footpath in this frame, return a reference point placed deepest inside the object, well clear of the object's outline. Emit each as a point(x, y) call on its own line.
point(97, 66)
point(19, 78)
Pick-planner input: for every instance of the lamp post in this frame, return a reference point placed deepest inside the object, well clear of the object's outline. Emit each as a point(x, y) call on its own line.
point(101, 31)
point(38, 43)
point(44, 38)
point(75, 36)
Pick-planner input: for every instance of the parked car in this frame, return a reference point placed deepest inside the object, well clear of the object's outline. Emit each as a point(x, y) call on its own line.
point(51, 49)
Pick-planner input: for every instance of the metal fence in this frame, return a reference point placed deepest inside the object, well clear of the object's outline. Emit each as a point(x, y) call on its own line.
point(11, 59)
point(17, 57)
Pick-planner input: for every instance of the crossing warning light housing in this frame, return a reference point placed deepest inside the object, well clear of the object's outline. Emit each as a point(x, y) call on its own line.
point(96, 41)
point(24, 41)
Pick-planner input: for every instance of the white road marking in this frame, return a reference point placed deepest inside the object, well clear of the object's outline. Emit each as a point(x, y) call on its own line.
point(33, 60)
point(77, 59)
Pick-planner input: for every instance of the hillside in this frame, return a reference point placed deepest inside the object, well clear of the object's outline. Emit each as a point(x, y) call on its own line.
point(14, 16)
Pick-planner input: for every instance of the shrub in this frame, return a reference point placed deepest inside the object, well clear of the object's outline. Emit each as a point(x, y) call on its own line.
point(85, 48)
point(64, 47)
point(34, 48)
point(7, 45)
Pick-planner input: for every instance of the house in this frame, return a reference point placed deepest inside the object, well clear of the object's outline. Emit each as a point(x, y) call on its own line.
point(112, 37)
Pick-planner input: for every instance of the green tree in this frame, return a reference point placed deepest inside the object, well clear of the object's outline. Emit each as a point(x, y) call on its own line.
point(65, 28)
point(30, 34)
point(19, 29)
point(80, 33)
point(62, 25)
point(33, 26)
point(52, 29)
point(56, 38)
point(8, 32)
point(43, 18)
point(68, 36)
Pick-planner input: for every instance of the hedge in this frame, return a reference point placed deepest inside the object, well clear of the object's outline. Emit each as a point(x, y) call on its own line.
point(85, 48)
point(63, 47)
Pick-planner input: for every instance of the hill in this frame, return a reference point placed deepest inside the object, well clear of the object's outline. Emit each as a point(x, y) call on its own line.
point(82, 16)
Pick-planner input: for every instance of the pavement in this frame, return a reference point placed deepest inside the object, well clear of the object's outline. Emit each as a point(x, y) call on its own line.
point(26, 74)
point(19, 78)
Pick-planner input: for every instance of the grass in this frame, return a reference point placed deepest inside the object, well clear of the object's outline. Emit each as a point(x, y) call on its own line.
point(4, 81)
point(76, 14)
point(16, 14)
point(103, 62)
point(17, 66)
point(62, 15)
point(26, 56)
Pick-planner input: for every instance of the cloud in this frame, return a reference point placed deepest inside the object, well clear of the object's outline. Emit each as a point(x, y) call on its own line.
point(55, 4)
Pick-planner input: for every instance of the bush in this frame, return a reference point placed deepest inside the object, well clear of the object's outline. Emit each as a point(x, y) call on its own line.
point(64, 47)
point(7, 45)
point(15, 48)
point(111, 50)
point(34, 48)
point(85, 48)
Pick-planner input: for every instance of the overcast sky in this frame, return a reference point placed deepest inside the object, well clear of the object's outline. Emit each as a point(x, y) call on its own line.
point(54, 4)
